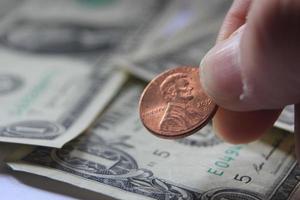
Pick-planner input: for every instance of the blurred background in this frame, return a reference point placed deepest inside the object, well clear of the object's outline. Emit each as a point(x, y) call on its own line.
point(63, 63)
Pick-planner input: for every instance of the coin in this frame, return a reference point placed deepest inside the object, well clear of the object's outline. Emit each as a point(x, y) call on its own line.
point(174, 105)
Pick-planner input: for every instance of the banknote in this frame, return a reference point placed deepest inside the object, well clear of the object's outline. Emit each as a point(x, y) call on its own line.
point(46, 101)
point(119, 158)
point(57, 72)
point(181, 21)
point(286, 119)
point(180, 37)
point(79, 29)
point(190, 54)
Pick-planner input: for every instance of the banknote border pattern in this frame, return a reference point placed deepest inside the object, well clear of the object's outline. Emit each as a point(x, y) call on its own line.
point(143, 181)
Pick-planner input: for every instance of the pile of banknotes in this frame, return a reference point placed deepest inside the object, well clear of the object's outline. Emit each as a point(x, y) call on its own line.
point(71, 73)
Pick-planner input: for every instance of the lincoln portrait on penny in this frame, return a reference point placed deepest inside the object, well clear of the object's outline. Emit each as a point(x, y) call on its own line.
point(179, 114)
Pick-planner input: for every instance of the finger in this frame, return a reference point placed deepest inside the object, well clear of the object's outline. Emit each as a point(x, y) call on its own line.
point(257, 68)
point(235, 18)
point(243, 127)
point(227, 123)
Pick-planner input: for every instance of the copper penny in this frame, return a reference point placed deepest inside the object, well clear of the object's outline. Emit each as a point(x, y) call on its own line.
point(174, 105)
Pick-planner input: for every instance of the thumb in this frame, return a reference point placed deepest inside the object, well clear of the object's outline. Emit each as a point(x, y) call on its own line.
point(258, 67)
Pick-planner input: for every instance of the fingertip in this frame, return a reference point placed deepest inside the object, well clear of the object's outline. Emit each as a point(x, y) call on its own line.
point(220, 72)
point(243, 127)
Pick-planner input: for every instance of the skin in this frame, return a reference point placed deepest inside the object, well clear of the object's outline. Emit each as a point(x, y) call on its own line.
point(254, 69)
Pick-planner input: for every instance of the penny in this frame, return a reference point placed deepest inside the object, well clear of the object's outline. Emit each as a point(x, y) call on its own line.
point(174, 105)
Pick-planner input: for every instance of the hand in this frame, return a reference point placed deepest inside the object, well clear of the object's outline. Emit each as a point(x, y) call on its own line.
point(254, 69)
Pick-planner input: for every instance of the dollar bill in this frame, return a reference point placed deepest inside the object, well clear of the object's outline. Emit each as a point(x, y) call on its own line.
point(57, 72)
point(286, 119)
point(180, 37)
point(181, 22)
point(79, 29)
point(49, 102)
point(119, 158)
point(148, 67)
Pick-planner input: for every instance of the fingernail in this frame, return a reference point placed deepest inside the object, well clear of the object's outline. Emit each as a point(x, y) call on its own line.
point(220, 71)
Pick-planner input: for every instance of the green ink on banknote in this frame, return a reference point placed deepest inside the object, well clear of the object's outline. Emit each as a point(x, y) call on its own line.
point(224, 161)
point(26, 101)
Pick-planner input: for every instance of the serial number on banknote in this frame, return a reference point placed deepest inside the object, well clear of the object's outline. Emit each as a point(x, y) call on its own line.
point(224, 162)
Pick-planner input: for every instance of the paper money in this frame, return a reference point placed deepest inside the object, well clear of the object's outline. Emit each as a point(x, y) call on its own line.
point(119, 158)
point(188, 55)
point(183, 34)
point(48, 101)
point(76, 28)
point(286, 119)
point(56, 56)
point(181, 22)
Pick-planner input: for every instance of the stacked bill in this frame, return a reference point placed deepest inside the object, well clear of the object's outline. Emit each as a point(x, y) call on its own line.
point(71, 75)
